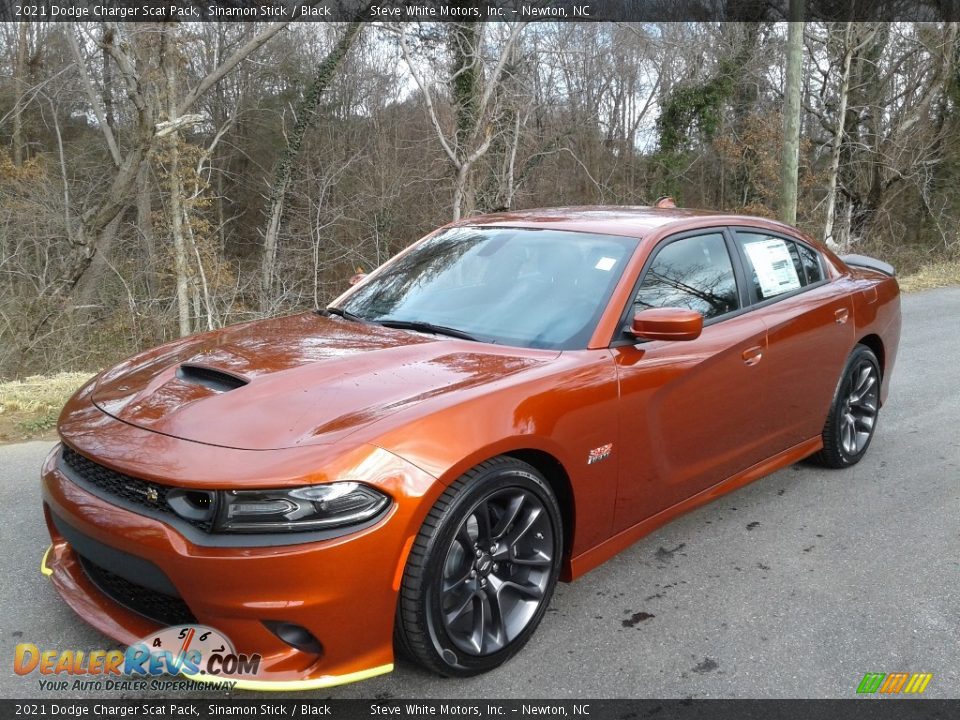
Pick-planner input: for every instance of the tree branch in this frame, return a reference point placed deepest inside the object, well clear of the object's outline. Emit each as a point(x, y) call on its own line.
point(98, 109)
point(229, 64)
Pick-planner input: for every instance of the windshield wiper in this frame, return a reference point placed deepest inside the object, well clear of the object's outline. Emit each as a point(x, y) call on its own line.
point(340, 312)
point(426, 327)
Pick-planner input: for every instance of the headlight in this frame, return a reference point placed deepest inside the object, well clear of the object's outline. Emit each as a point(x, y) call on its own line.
point(307, 508)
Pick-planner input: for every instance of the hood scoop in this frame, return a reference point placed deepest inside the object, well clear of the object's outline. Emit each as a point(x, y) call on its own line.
point(210, 378)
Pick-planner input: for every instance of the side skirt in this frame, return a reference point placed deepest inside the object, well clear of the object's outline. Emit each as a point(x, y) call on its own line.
point(598, 555)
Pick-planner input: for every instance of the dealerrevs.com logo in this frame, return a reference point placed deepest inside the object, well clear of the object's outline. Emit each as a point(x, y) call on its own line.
point(196, 651)
point(895, 683)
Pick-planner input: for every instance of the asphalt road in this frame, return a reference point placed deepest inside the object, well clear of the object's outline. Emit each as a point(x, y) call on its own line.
point(794, 586)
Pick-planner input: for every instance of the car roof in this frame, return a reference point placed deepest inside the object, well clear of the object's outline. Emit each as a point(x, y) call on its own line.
point(632, 221)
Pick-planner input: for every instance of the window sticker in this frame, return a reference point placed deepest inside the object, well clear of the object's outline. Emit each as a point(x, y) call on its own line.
point(605, 263)
point(774, 266)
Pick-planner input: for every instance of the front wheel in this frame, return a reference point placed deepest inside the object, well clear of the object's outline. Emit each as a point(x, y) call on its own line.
point(853, 414)
point(481, 571)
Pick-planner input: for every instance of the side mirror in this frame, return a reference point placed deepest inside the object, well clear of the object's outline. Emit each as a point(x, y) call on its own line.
point(667, 324)
point(354, 279)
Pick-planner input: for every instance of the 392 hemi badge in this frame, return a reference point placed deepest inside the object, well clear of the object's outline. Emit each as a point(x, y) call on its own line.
point(600, 453)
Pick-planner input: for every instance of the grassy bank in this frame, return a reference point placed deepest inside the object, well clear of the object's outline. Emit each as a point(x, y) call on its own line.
point(932, 275)
point(29, 407)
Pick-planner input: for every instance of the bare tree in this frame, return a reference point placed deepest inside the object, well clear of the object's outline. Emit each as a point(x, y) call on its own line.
point(305, 117)
point(472, 97)
point(146, 135)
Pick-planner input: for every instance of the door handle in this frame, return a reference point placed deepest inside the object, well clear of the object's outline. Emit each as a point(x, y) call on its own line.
point(751, 356)
point(842, 315)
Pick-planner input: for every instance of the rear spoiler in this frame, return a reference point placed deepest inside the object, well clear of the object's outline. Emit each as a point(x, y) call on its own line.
point(870, 263)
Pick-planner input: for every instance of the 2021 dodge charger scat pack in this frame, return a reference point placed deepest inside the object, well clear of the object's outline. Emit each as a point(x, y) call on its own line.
point(507, 403)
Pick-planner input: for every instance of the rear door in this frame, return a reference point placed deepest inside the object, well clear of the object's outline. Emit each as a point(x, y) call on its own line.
point(688, 409)
point(810, 331)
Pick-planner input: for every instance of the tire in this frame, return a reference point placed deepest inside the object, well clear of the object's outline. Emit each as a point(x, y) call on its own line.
point(853, 415)
point(481, 571)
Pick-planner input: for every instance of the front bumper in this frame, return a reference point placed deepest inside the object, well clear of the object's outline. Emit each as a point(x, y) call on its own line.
point(342, 590)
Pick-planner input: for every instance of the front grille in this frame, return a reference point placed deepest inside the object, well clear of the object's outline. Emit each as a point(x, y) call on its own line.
point(159, 607)
point(113, 485)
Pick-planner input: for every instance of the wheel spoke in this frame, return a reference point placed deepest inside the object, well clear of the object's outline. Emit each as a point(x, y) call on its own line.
point(846, 433)
point(463, 537)
point(482, 515)
point(481, 620)
point(453, 616)
point(865, 380)
point(863, 389)
point(541, 559)
point(865, 404)
point(528, 521)
point(498, 616)
point(527, 590)
point(509, 517)
point(456, 584)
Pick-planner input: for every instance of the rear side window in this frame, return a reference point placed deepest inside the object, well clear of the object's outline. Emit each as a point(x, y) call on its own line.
point(810, 260)
point(776, 266)
point(694, 273)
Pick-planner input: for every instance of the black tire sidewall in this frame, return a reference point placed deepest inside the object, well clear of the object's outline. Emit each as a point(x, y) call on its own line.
point(505, 476)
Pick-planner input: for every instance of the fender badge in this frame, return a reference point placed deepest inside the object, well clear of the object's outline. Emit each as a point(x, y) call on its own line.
point(150, 494)
point(600, 453)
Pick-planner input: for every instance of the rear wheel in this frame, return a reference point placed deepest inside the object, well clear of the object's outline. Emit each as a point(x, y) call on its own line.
point(853, 415)
point(482, 570)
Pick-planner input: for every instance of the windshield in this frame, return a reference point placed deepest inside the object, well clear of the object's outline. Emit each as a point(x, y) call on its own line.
point(531, 288)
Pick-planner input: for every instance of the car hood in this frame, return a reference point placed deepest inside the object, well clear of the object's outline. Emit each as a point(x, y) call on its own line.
point(297, 380)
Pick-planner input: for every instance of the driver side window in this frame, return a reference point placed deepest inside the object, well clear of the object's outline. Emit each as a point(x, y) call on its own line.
point(694, 273)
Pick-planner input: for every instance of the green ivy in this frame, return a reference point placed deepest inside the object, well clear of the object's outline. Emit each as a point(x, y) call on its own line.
point(699, 107)
point(465, 86)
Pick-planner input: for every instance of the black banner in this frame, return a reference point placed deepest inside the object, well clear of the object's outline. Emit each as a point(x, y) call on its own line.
point(866, 709)
point(463, 10)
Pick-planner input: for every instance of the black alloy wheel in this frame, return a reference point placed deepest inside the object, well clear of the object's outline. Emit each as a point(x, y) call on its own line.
point(482, 570)
point(853, 416)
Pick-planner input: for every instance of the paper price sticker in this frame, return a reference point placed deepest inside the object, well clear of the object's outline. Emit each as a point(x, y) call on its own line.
point(774, 267)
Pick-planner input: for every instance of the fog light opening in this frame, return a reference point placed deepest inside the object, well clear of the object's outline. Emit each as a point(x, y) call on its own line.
point(296, 636)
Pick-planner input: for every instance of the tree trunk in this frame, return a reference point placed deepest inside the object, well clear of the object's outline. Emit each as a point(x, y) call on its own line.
point(465, 75)
point(19, 89)
point(86, 296)
point(791, 115)
point(460, 191)
point(107, 82)
point(145, 226)
point(176, 186)
point(306, 115)
point(838, 134)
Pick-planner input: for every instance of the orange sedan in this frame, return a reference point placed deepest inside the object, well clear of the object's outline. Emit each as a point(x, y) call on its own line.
point(507, 403)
